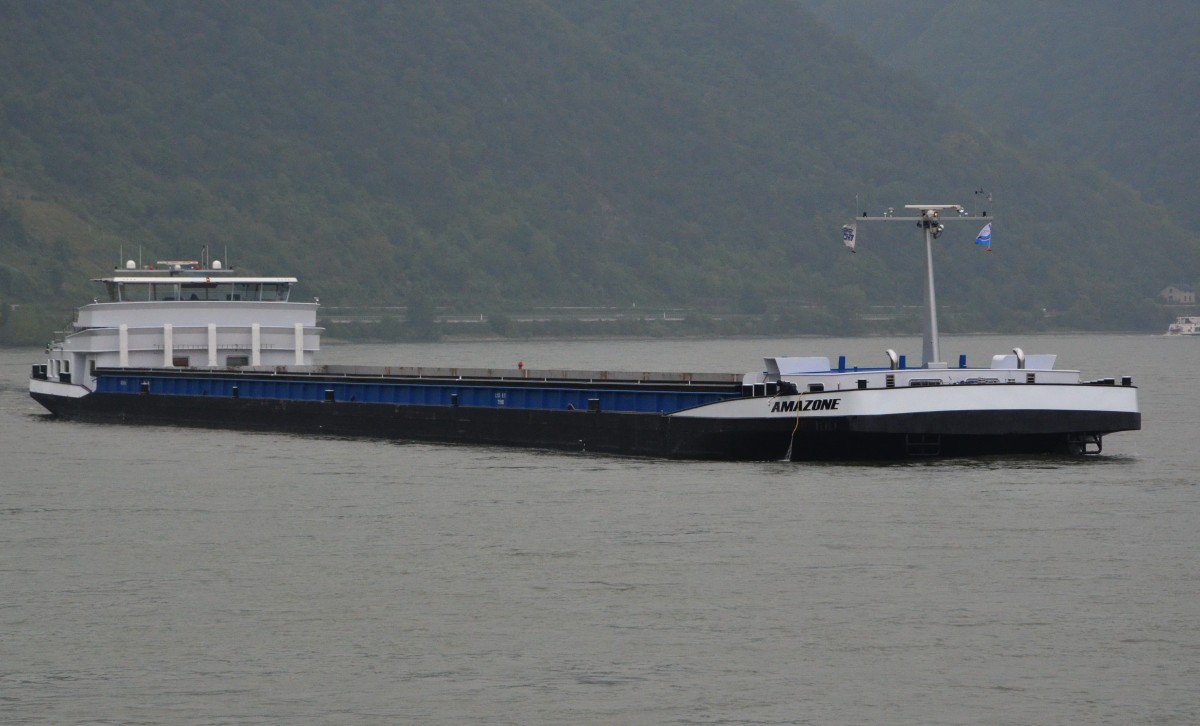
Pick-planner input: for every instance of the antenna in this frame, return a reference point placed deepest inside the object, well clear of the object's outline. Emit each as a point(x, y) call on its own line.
point(982, 196)
point(931, 223)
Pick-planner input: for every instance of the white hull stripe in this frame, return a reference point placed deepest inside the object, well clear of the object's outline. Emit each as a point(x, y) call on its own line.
point(932, 399)
point(54, 388)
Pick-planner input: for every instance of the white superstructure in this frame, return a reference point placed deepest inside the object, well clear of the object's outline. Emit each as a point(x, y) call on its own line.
point(180, 314)
point(1185, 325)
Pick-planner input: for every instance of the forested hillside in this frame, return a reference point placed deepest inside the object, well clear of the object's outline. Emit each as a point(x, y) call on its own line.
point(1100, 79)
point(507, 154)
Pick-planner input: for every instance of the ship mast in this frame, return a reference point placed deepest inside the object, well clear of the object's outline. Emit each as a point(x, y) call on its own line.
point(930, 221)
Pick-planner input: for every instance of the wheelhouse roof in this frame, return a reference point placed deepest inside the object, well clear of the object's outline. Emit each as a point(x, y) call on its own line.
point(195, 280)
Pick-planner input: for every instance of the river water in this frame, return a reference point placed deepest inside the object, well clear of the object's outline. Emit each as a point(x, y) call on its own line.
point(179, 576)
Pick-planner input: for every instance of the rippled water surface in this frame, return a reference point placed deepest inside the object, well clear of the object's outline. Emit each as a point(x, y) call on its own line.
point(180, 576)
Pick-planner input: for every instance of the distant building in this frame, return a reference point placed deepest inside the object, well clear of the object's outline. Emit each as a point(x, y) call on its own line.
point(1178, 295)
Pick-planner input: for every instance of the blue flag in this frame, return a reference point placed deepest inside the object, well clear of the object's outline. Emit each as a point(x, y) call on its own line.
point(850, 236)
point(985, 236)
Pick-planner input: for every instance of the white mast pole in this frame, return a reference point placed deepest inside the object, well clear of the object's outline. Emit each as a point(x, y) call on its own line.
point(931, 352)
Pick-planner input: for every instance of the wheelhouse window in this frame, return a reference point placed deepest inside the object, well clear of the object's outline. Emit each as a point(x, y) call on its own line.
point(198, 291)
point(276, 291)
point(245, 291)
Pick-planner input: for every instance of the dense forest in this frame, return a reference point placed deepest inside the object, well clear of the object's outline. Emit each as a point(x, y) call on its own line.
point(464, 156)
point(1099, 80)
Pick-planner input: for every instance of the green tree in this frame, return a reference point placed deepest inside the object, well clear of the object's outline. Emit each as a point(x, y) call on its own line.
point(420, 320)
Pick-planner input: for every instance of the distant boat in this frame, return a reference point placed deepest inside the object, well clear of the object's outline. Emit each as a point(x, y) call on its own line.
point(1185, 325)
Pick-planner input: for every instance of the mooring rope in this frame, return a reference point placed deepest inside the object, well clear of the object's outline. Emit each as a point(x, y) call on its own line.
point(796, 427)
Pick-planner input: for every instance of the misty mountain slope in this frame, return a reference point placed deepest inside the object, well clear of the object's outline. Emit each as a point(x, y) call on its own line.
point(534, 152)
point(1101, 80)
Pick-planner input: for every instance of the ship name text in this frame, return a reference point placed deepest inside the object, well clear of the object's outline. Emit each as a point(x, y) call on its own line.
point(809, 404)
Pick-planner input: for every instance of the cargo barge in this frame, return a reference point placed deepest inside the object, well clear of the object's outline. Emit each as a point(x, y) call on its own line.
point(190, 343)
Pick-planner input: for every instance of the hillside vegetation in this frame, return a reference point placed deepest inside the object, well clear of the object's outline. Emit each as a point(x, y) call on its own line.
point(503, 155)
point(1098, 79)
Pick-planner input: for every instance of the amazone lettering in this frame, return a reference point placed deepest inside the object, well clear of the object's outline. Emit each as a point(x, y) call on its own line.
point(806, 404)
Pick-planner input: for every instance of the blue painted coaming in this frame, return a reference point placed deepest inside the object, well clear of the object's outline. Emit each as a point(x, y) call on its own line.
point(546, 397)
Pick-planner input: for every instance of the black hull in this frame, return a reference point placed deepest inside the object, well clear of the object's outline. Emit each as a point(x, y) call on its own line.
point(638, 434)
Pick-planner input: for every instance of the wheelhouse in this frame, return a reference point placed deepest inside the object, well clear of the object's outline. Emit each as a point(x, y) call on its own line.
point(241, 289)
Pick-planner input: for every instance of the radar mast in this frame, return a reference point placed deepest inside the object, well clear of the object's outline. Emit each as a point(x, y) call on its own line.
point(930, 221)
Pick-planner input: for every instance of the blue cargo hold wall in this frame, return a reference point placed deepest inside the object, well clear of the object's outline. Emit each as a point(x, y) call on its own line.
point(398, 393)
